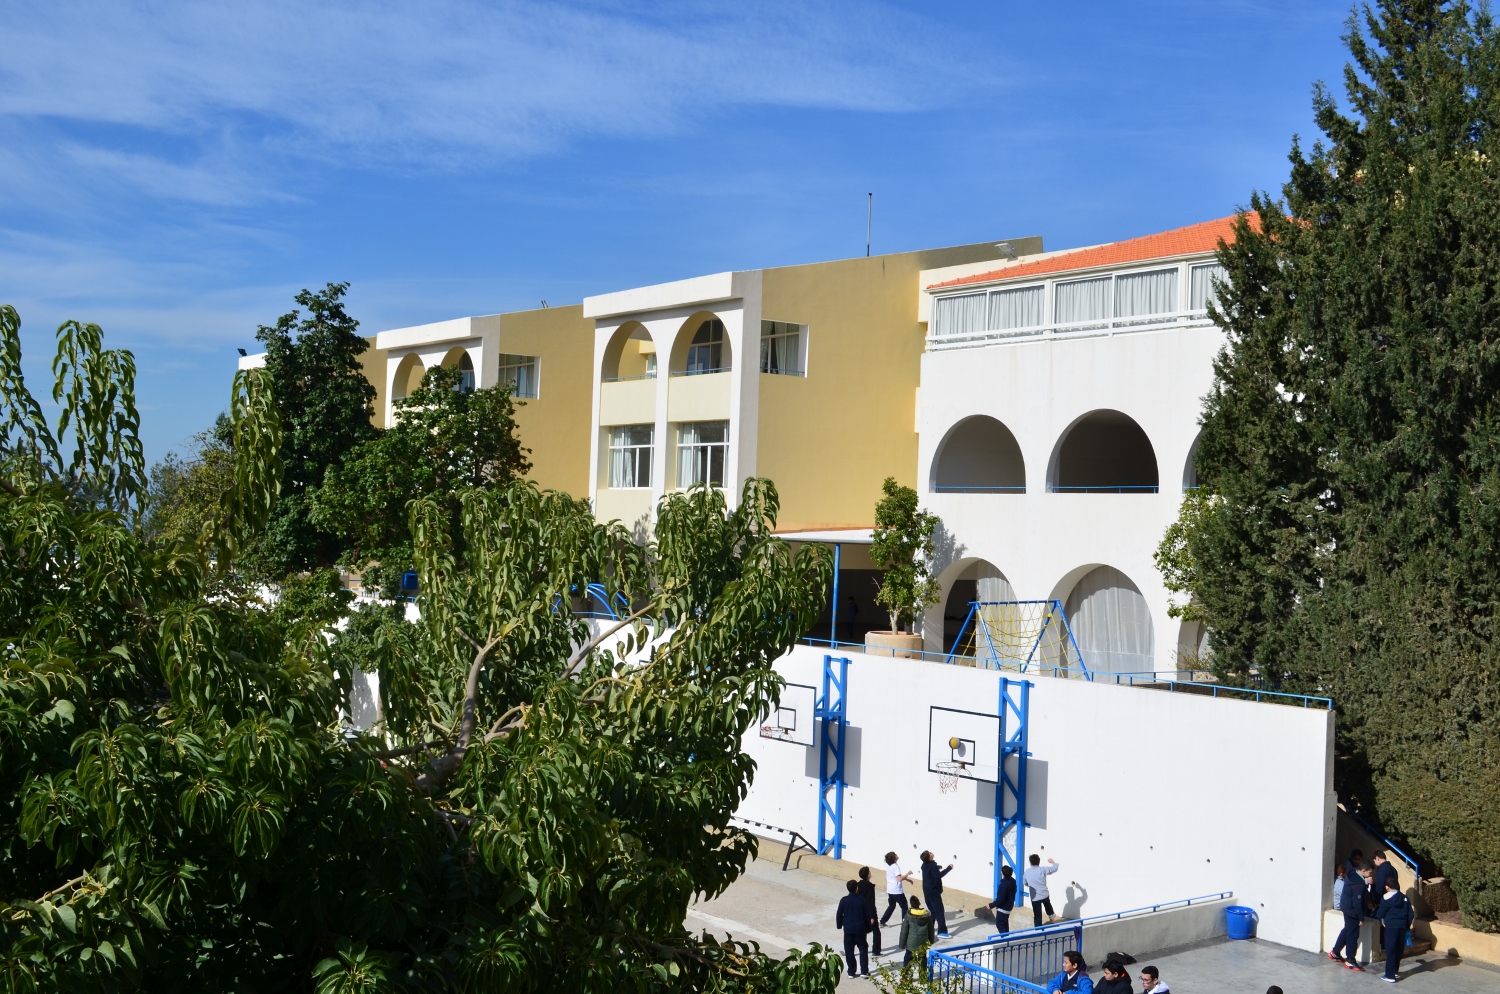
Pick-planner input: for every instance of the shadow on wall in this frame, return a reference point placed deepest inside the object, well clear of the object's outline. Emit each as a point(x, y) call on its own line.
point(853, 739)
point(1074, 898)
point(1036, 796)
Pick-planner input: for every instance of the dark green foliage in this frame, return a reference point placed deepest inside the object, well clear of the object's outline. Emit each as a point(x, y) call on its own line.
point(183, 808)
point(444, 440)
point(1351, 445)
point(326, 406)
point(903, 547)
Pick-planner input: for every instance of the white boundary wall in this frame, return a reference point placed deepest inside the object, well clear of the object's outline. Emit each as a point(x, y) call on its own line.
point(1142, 796)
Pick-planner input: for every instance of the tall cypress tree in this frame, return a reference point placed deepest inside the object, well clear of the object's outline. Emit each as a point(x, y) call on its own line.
point(1351, 444)
point(327, 406)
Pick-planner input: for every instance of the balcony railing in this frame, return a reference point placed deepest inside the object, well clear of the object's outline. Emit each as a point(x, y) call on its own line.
point(701, 372)
point(1057, 489)
point(944, 488)
point(1098, 327)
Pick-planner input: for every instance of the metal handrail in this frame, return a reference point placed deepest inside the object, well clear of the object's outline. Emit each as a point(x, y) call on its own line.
point(944, 488)
point(701, 372)
point(1091, 327)
point(1405, 857)
point(627, 379)
point(1062, 672)
point(1056, 488)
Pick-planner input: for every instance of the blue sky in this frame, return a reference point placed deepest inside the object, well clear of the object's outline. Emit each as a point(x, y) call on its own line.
point(176, 171)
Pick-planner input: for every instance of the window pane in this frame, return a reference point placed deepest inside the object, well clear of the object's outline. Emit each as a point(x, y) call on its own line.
point(1018, 308)
point(1201, 289)
point(1146, 293)
point(520, 373)
point(1083, 300)
point(702, 451)
point(780, 347)
point(964, 315)
point(630, 456)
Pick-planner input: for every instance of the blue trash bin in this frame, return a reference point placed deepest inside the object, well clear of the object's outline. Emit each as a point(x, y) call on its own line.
point(1239, 921)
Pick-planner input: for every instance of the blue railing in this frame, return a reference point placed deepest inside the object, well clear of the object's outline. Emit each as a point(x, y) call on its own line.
point(1056, 489)
point(1155, 681)
point(1021, 962)
point(943, 488)
point(1405, 857)
point(1010, 963)
point(982, 662)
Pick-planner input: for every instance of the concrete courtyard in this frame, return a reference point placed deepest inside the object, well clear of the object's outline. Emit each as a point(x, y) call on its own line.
point(793, 909)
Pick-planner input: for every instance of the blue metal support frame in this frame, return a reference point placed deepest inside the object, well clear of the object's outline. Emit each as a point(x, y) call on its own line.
point(831, 711)
point(833, 620)
point(1010, 792)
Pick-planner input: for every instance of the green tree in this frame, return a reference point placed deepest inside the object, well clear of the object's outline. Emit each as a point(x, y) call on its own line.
point(327, 409)
point(445, 440)
point(1350, 441)
point(183, 808)
point(185, 493)
point(903, 547)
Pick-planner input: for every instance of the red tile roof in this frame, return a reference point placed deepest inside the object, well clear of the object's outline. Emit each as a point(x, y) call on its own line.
point(1195, 238)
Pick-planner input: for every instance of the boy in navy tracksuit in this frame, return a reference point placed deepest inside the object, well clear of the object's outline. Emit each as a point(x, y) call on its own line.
point(1395, 913)
point(1005, 901)
point(854, 917)
point(1356, 887)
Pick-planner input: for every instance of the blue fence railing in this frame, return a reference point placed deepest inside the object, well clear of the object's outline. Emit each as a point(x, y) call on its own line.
point(1012, 963)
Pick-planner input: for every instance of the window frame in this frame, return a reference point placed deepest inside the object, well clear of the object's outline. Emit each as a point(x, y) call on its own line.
point(707, 453)
point(621, 450)
point(534, 363)
point(797, 336)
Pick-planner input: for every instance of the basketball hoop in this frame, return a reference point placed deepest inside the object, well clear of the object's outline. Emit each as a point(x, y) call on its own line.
point(949, 774)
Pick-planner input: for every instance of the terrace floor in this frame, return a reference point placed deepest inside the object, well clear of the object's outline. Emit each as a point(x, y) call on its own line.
point(795, 908)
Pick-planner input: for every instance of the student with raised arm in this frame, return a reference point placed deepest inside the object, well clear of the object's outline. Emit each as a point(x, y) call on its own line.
point(932, 891)
point(1036, 883)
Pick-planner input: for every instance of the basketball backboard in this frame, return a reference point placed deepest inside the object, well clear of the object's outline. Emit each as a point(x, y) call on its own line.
point(792, 720)
point(964, 744)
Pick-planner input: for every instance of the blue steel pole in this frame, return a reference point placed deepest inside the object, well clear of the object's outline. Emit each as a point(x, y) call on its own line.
point(833, 631)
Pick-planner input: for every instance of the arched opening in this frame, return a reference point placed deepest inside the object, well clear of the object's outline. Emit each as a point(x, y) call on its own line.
point(1192, 646)
point(458, 358)
point(979, 456)
point(1111, 622)
point(630, 354)
point(702, 347)
point(981, 582)
point(1190, 468)
point(1104, 452)
point(409, 373)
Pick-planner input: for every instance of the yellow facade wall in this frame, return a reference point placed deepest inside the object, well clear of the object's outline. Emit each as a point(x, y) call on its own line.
point(372, 364)
point(555, 425)
point(830, 438)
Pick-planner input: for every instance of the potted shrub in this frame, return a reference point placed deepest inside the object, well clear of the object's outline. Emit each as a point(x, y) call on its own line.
point(903, 547)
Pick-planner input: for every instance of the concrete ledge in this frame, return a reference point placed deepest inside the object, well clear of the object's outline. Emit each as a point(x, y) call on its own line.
point(839, 869)
point(1156, 932)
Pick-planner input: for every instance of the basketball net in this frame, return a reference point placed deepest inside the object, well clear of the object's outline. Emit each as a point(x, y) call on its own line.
point(949, 774)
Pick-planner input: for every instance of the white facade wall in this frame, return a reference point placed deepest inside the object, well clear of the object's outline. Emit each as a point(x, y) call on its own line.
point(1142, 796)
point(1045, 542)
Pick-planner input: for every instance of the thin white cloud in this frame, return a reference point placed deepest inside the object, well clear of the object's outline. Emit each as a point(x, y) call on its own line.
point(418, 83)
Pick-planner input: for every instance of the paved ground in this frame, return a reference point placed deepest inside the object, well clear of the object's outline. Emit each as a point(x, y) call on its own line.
point(792, 909)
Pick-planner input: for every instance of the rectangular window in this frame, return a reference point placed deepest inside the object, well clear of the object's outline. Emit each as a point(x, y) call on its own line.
point(1082, 300)
point(781, 348)
point(1142, 294)
point(520, 372)
point(702, 450)
point(1017, 308)
point(630, 456)
point(1201, 288)
point(962, 315)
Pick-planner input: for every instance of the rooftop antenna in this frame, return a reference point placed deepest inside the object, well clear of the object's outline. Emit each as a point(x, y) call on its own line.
point(869, 216)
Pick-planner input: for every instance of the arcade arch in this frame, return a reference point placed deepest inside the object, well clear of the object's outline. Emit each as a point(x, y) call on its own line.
point(409, 373)
point(630, 354)
point(458, 358)
point(702, 346)
point(1104, 452)
point(972, 580)
point(1111, 622)
point(979, 455)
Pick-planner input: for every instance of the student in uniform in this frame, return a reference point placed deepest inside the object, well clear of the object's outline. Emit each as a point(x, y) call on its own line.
point(1005, 901)
point(1395, 915)
point(1036, 883)
point(853, 917)
point(917, 934)
point(1075, 975)
point(895, 895)
point(866, 891)
point(1151, 982)
point(1116, 979)
point(932, 891)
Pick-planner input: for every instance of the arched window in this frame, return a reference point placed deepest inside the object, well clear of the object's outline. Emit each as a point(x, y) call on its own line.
point(706, 353)
point(980, 455)
point(465, 373)
point(1111, 623)
point(1105, 452)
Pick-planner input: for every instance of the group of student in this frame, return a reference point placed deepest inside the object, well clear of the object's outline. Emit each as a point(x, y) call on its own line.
point(1115, 980)
point(921, 927)
point(1371, 890)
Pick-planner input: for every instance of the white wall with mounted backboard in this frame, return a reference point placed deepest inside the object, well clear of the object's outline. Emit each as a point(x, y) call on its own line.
point(1141, 795)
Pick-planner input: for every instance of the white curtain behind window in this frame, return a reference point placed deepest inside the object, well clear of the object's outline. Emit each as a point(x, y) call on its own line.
point(1201, 290)
point(1019, 308)
point(1082, 300)
point(963, 315)
point(1139, 294)
point(1111, 623)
